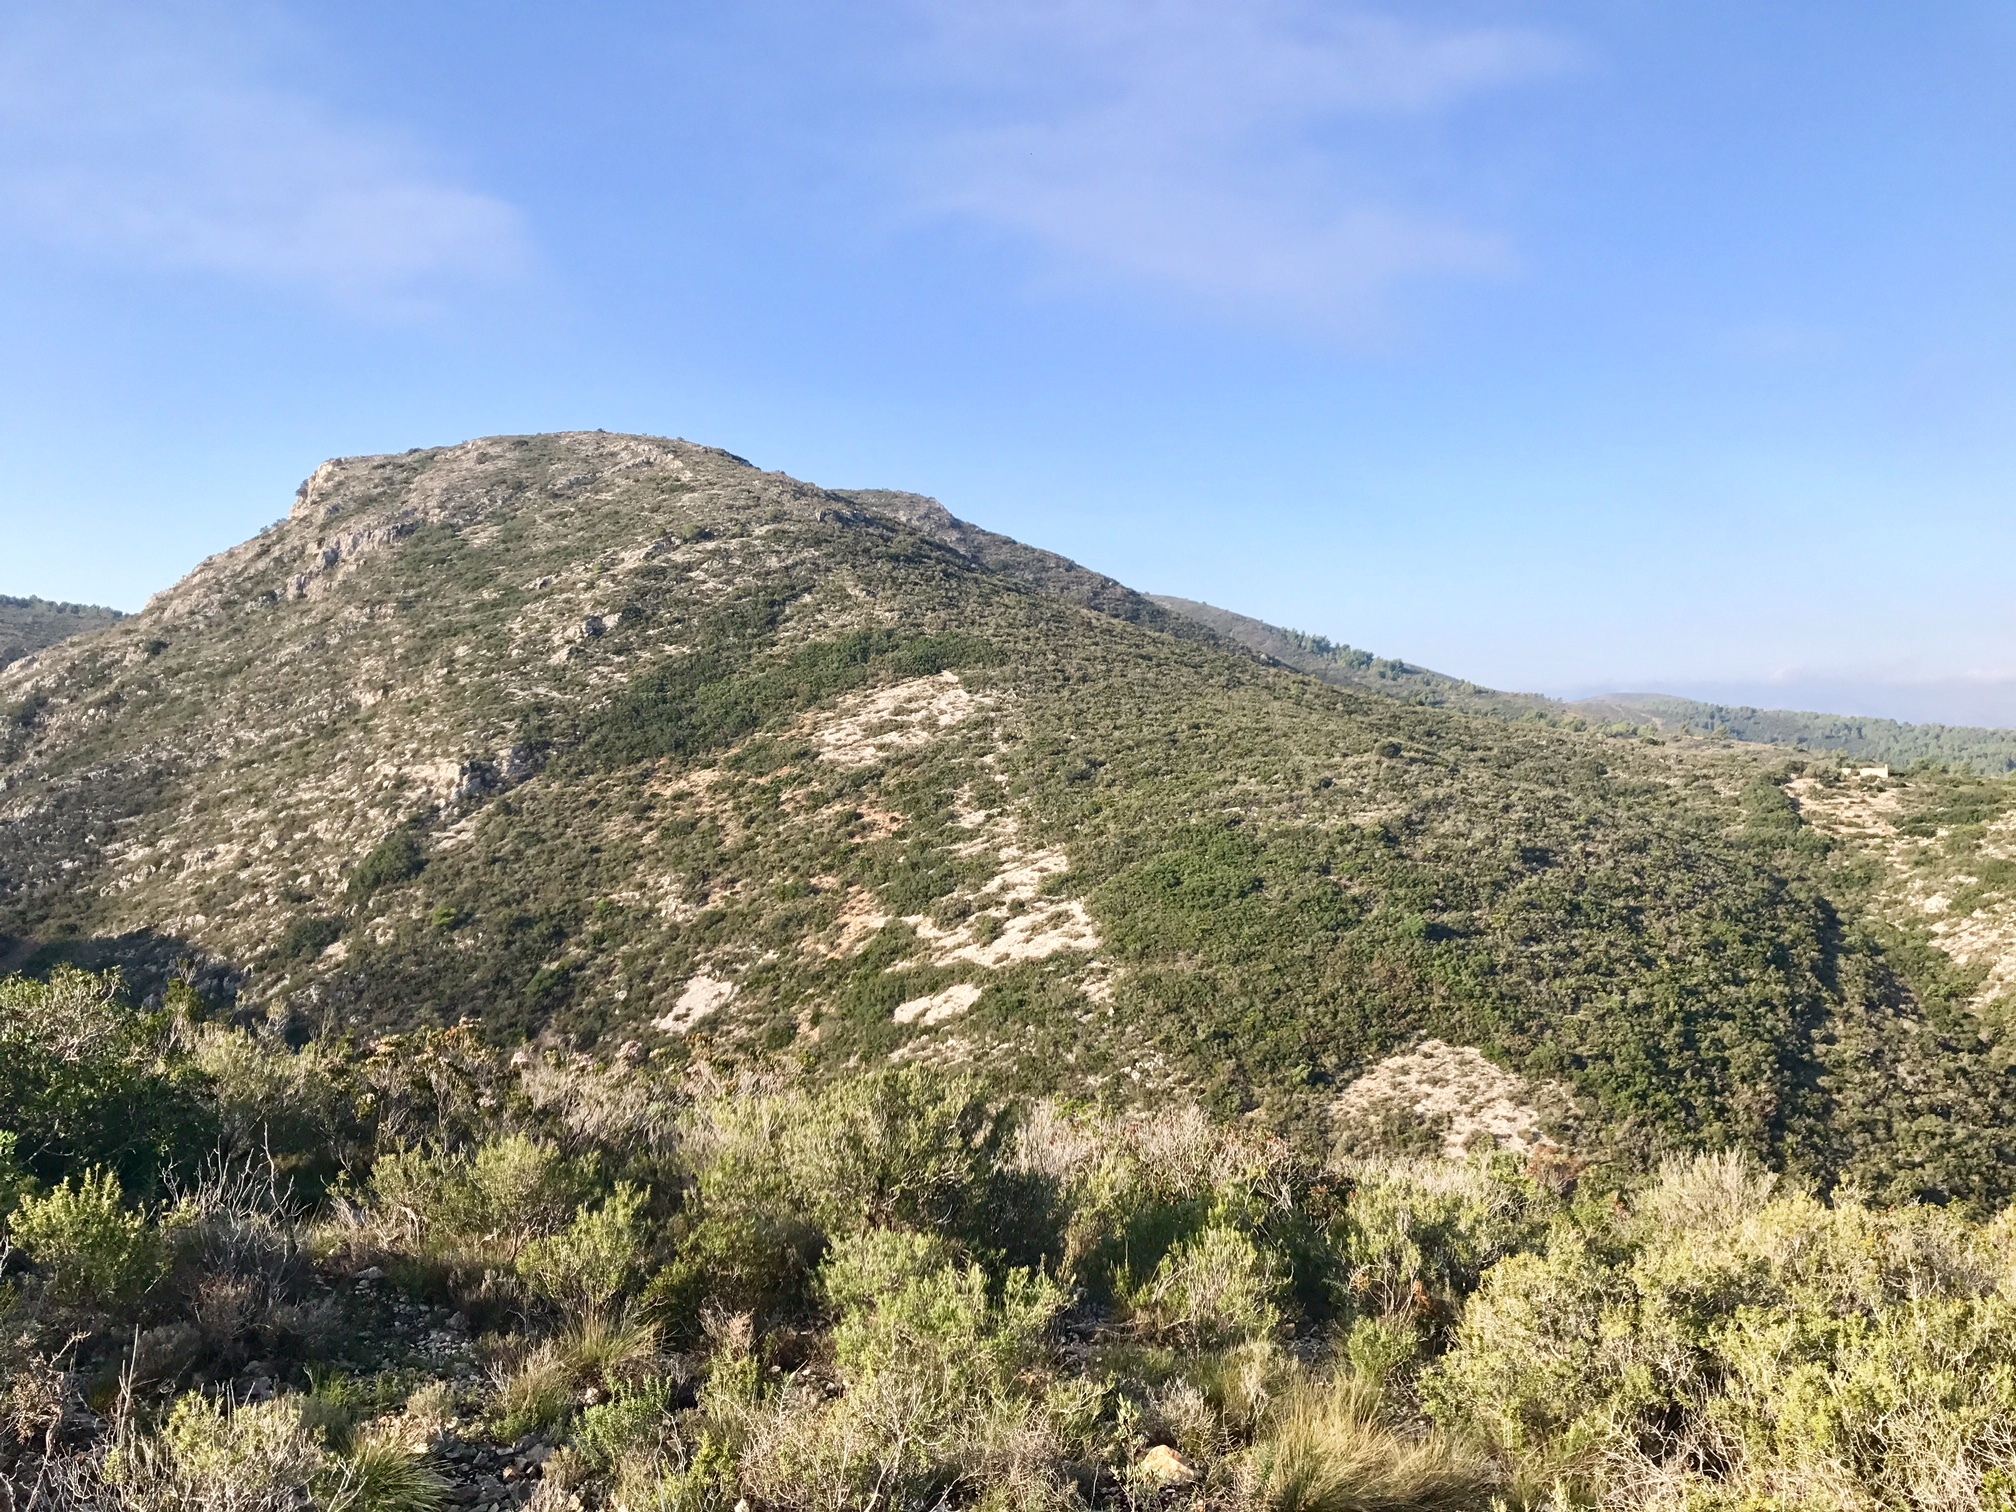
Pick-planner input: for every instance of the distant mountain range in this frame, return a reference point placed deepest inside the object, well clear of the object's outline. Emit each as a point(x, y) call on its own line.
point(1887, 741)
point(29, 624)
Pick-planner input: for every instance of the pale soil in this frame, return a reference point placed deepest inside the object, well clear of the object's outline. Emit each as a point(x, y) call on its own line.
point(1045, 927)
point(1012, 918)
point(1434, 1080)
point(869, 725)
point(703, 997)
point(939, 1006)
point(1864, 814)
point(861, 919)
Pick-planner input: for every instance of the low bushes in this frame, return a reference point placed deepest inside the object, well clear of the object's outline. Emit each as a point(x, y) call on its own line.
point(96, 1253)
point(260, 1457)
point(86, 1081)
point(904, 1292)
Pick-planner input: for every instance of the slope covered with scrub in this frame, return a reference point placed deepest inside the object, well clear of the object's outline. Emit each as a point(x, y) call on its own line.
point(29, 624)
point(618, 743)
point(430, 1273)
point(1858, 737)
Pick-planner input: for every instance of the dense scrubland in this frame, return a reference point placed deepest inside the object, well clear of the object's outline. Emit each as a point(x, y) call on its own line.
point(544, 731)
point(385, 1275)
point(574, 970)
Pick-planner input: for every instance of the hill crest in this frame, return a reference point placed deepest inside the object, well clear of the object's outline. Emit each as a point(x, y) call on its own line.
point(612, 741)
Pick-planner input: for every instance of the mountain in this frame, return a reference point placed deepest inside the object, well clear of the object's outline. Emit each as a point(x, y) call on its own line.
point(1348, 667)
point(29, 624)
point(1866, 739)
point(1883, 740)
point(621, 743)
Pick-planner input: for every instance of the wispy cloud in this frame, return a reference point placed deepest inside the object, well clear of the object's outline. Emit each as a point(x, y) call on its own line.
point(1272, 152)
point(156, 135)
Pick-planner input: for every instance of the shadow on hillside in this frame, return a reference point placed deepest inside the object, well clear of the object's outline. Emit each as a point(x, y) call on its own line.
point(146, 960)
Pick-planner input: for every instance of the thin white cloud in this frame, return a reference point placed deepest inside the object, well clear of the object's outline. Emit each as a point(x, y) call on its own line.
point(1276, 152)
point(154, 135)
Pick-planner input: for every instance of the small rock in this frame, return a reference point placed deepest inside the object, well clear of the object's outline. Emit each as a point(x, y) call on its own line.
point(1162, 1467)
point(368, 1274)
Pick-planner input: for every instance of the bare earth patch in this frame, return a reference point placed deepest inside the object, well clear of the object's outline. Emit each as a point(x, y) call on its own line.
point(910, 714)
point(860, 920)
point(996, 935)
point(939, 1006)
point(1436, 1081)
point(703, 997)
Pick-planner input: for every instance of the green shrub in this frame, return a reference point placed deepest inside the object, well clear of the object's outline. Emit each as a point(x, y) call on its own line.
point(756, 1261)
point(1211, 1291)
point(907, 1306)
point(86, 1081)
point(306, 936)
point(252, 1458)
point(1416, 1231)
point(1546, 1356)
point(939, 1377)
point(905, 1147)
point(395, 859)
point(587, 1265)
point(477, 1209)
point(1819, 1354)
point(15, 1183)
point(635, 1420)
point(305, 1109)
point(97, 1253)
point(779, 1177)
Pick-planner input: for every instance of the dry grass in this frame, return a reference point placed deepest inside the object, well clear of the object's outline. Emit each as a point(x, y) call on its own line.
point(1326, 1450)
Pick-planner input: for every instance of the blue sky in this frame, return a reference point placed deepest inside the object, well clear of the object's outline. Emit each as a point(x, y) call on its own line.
point(1567, 347)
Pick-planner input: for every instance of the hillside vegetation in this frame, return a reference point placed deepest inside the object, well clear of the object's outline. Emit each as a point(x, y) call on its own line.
point(573, 971)
point(29, 624)
point(605, 740)
point(1982, 751)
point(424, 1272)
point(1881, 740)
